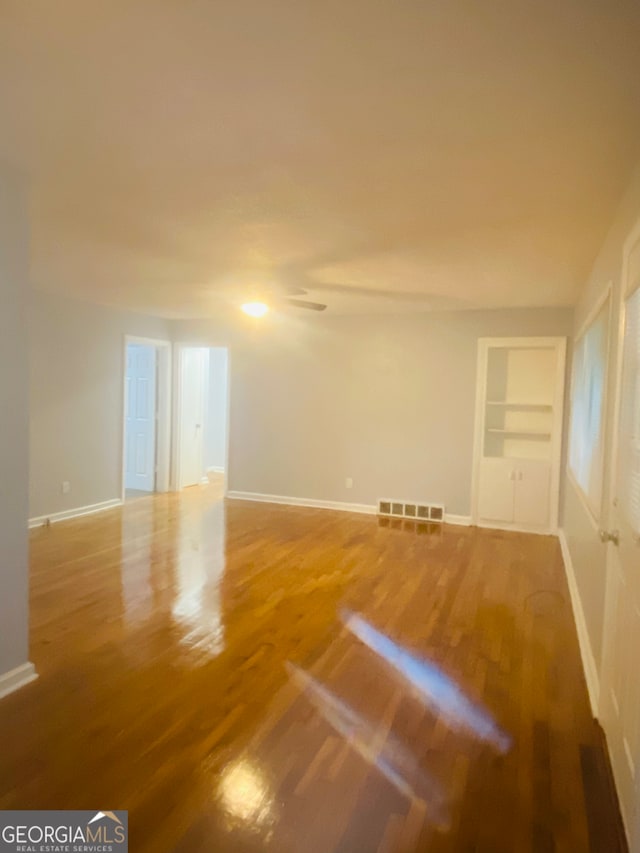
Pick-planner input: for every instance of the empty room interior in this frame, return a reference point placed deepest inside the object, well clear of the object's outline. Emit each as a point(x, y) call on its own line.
point(320, 442)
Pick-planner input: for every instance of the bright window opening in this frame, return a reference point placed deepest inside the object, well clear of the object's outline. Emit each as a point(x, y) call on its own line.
point(588, 391)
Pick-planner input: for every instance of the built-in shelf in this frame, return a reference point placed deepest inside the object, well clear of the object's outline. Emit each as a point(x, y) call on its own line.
point(518, 432)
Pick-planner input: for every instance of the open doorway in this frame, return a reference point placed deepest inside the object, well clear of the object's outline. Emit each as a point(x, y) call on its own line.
point(146, 417)
point(202, 414)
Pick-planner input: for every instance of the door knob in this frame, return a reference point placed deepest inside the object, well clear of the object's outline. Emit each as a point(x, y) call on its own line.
point(612, 536)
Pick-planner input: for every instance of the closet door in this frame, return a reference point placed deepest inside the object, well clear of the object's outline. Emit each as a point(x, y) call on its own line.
point(496, 490)
point(532, 493)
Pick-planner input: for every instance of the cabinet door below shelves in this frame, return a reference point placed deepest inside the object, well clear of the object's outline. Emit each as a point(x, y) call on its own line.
point(532, 499)
point(496, 490)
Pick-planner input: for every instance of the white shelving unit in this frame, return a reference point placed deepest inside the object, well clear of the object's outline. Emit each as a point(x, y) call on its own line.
point(518, 432)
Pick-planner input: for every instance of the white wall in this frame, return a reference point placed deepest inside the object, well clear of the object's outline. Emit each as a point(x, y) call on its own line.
point(215, 438)
point(388, 401)
point(77, 362)
point(14, 422)
point(588, 554)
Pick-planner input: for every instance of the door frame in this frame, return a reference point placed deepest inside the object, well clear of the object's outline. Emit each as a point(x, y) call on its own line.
point(178, 350)
point(608, 515)
point(632, 239)
point(608, 519)
point(163, 411)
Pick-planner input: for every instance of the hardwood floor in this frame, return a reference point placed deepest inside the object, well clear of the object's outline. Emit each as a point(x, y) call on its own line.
point(196, 669)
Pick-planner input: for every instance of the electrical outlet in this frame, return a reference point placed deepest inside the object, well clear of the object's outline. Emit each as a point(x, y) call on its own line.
point(349, 482)
point(66, 487)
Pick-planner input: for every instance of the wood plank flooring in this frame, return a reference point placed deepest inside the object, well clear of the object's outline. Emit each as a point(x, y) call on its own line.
point(195, 669)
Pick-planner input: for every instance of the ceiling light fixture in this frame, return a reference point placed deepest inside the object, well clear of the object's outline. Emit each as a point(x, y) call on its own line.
point(255, 309)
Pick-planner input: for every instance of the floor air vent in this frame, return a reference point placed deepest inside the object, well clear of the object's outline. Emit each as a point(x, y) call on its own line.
point(420, 512)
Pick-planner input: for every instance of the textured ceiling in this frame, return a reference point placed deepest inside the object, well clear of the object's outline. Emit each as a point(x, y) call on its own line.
point(382, 156)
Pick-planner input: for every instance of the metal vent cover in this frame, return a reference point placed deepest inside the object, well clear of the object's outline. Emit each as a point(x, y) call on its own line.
point(411, 509)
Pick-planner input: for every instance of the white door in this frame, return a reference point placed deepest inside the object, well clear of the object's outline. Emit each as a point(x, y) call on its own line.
point(194, 371)
point(620, 675)
point(496, 489)
point(140, 418)
point(532, 499)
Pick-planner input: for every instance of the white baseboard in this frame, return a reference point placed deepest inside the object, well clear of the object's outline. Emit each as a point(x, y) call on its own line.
point(215, 469)
point(462, 520)
point(586, 652)
point(74, 513)
point(17, 678)
point(368, 509)
point(342, 506)
point(515, 528)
